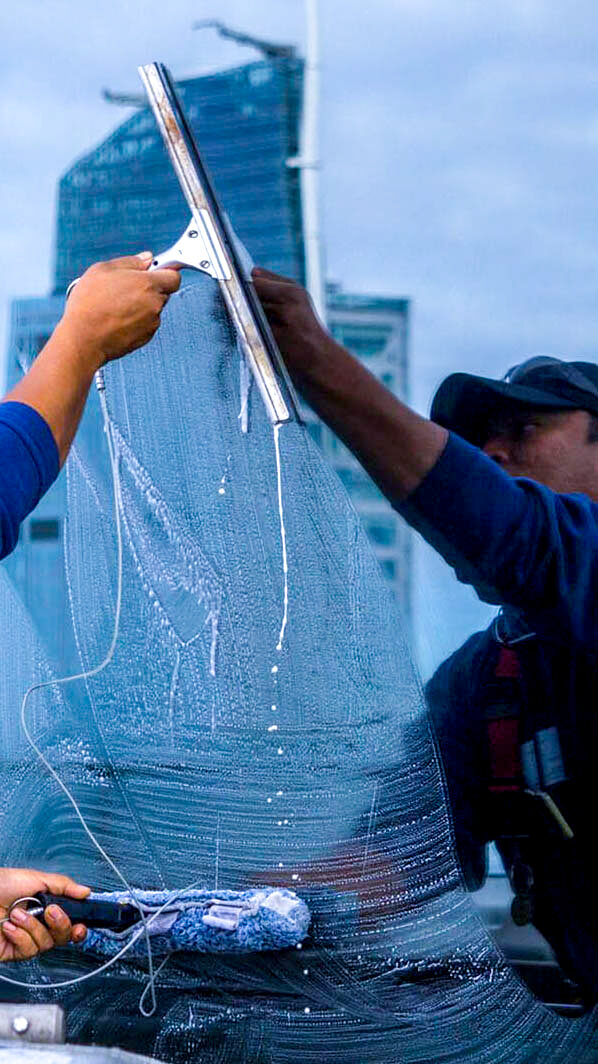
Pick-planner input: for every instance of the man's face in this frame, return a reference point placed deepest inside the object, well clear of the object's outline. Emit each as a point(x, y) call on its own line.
point(556, 448)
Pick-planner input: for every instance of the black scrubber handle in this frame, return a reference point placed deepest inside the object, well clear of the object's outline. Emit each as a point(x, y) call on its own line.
point(111, 915)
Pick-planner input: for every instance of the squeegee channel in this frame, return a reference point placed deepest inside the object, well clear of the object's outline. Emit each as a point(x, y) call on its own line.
point(243, 305)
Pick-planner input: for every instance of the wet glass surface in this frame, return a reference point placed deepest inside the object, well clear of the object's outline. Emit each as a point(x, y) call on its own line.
point(204, 752)
point(458, 150)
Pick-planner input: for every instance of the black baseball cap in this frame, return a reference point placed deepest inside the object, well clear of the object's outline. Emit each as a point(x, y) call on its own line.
point(467, 404)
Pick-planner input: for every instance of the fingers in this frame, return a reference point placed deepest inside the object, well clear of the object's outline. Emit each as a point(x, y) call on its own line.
point(78, 933)
point(166, 281)
point(262, 274)
point(22, 936)
point(58, 925)
point(20, 945)
point(116, 307)
point(64, 885)
point(129, 262)
point(273, 289)
point(28, 935)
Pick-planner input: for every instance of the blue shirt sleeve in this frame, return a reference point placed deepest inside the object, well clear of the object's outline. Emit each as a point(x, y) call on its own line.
point(517, 542)
point(452, 697)
point(29, 464)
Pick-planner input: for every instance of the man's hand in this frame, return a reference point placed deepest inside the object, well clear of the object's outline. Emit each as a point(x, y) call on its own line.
point(116, 306)
point(396, 446)
point(23, 937)
point(301, 337)
point(113, 309)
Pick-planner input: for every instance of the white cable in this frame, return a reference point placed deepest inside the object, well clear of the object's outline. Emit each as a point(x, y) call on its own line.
point(283, 539)
point(104, 967)
point(86, 675)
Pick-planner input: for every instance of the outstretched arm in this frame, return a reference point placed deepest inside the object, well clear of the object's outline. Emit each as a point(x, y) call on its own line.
point(115, 308)
point(395, 445)
point(515, 541)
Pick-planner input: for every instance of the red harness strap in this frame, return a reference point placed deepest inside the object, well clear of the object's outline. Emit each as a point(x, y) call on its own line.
point(502, 725)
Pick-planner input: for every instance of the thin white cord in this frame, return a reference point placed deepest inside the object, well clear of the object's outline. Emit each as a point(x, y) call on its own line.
point(85, 676)
point(245, 379)
point(142, 1008)
point(283, 538)
point(104, 967)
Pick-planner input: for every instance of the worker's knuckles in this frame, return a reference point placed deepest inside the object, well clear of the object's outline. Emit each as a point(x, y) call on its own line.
point(290, 298)
point(24, 946)
point(57, 920)
point(125, 262)
point(94, 271)
point(291, 315)
point(61, 935)
point(42, 937)
point(166, 281)
point(30, 939)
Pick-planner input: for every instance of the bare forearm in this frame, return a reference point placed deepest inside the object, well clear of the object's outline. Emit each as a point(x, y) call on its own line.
point(395, 445)
point(57, 386)
point(114, 309)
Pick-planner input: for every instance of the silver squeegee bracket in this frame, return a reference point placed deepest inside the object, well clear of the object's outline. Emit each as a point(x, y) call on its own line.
point(208, 245)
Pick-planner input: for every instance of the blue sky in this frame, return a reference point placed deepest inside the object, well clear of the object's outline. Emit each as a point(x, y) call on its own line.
point(459, 145)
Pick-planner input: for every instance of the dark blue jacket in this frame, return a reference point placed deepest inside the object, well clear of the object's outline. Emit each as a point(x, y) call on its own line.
point(518, 543)
point(534, 552)
point(28, 465)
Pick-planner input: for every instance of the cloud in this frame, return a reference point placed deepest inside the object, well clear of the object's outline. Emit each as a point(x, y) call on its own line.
point(458, 145)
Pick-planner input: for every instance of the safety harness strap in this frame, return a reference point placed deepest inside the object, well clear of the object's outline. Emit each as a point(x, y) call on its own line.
point(502, 727)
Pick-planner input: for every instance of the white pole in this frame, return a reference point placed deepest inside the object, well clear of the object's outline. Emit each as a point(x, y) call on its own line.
point(309, 163)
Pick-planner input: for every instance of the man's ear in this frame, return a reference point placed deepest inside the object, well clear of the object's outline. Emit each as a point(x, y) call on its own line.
point(499, 450)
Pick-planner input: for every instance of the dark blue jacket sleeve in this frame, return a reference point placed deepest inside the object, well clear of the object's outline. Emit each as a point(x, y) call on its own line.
point(452, 697)
point(28, 465)
point(517, 542)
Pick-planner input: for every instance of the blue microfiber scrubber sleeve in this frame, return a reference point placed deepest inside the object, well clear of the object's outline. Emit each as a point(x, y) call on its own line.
point(207, 921)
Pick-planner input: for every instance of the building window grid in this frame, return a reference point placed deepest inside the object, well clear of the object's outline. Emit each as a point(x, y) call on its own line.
point(44, 529)
point(374, 329)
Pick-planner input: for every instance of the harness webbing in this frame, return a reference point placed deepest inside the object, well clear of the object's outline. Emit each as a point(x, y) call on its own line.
point(502, 728)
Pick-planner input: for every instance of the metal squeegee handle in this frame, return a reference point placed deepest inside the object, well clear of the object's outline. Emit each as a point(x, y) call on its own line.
point(221, 260)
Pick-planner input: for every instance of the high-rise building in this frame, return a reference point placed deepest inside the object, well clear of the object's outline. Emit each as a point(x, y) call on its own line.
point(122, 197)
point(376, 330)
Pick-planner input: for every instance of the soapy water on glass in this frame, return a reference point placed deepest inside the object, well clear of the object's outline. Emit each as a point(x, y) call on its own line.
point(199, 582)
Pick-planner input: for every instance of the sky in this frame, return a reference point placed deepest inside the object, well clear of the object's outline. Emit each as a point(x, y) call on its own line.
point(459, 147)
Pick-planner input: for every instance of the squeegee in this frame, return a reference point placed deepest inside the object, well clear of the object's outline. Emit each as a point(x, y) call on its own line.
point(209, 245)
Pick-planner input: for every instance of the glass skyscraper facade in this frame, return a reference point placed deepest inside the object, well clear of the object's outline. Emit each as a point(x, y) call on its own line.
point(376, 330)
point(122, 197)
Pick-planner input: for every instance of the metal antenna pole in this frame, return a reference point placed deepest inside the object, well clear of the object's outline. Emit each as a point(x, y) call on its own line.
point(309, 164)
